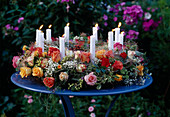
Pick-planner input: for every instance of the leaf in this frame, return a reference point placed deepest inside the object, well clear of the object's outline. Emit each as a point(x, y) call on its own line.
point(99, 87)
point(11, 11)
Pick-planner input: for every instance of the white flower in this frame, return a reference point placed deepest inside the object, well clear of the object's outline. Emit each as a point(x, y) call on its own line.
point(69, 53)
point(147, 15)
point(131, 54)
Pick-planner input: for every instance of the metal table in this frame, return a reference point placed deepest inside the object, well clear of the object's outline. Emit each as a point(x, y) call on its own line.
point(33, 85)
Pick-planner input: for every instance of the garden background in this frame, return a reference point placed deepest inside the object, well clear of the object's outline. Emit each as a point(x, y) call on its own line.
point(20, 18)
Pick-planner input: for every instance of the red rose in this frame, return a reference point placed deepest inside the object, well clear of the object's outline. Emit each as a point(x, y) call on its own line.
point(39, 50)
point(109, 54)
point(117, 65)
point(123, 55)
point(51, 50)
point(105, 62)
point(49, 81)
point(56, 56)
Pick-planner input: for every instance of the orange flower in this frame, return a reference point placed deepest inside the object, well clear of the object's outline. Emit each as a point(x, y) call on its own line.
point(37, 71)
point(56, 56)
point(59, 66)
point(25, 71)
point(85, 56)
point(51, 50)
point(119, 77)
point(44, 54)
point(39, 50)
point(24, 48)
point(100, 54)
point(109, 54)
point(140, 68)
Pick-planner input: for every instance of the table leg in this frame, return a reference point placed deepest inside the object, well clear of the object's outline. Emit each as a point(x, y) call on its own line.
point(111, 105)
point(67, 106)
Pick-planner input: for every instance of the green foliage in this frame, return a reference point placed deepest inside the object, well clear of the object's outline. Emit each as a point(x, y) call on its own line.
point(132, 105)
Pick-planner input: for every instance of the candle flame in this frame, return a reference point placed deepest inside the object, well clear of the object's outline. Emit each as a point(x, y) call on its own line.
point(96, 25)
point(41, 27)
point(63, 35)
point(119, 25)
point(122, 32)
point(68, 24)
point(50, 26)
point(113, 30)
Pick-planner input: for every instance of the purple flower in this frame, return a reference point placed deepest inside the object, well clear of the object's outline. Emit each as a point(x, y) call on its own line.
point(111, 9)
point(105, 24)
point(148, 8)
point(20, 19)
point(123, 3)
point(91, 109)
point(153, 10)
point(30, 101)
point(132, 14)
point(105, 17)
point(132, 35)
point(115, 19)
point(151, 24)
point(16, 28)
point(8, 26)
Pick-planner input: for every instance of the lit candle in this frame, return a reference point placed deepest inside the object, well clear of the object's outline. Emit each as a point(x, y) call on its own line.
point(66, 32)
point(62, 47)
point(121, 37)
point(38, 35)
point(95, 32)
point(92, 48)
point(117, 32)
point(48, 33)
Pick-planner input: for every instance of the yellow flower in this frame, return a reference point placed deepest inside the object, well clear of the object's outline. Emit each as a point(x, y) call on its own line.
point(100, 54)
point(25, 71)
point(24, 48)
point(119, 77)
point(44, 54)
point(63, 76)
point(140, 68)
point(37, 71)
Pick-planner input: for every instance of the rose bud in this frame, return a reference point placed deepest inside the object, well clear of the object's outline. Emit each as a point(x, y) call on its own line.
point(81, 68)
point(63, 76)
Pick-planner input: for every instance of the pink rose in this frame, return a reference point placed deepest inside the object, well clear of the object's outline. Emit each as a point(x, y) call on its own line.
point(92, 115)
point(91, 108)
point(117, 46)
point(15, 61)
point(93, 100)
point(90, 79)
point(30, 101)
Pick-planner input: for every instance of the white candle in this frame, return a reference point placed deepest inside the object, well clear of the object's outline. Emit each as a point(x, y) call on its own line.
point(37, 37)
point(62, 47)
point(92, 48)
point(48, 33)
point(110, 40)
point(41, 41)
point(66, 32)
point(95, 32)
point(117, 32)
point(121, 38)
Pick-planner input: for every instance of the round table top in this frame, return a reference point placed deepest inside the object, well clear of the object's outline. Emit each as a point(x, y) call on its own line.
point(33, 85)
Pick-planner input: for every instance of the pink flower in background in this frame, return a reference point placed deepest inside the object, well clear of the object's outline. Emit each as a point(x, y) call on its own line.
point(25, 96)
point(60, 102)
point(8, 26)
point(115, 19)
point(16, 28)
point(148, 8)
point(132, 34)
point(105, 17)
point(29, 97)
point(71, 96)
point(15, 61)
point(68, 7)
point(123, 3)
point(132, 14)
point(91, 109)
point(117, 46)
point(105, 24)
point(111, 9)
point(93, 100)
point(30, 101)
point(150, 25)
point(92, 115)
point(90, 79)
point(153, 10)
point(20, 19)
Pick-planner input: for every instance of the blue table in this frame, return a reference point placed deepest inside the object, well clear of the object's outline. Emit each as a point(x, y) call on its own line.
point(33, 85)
